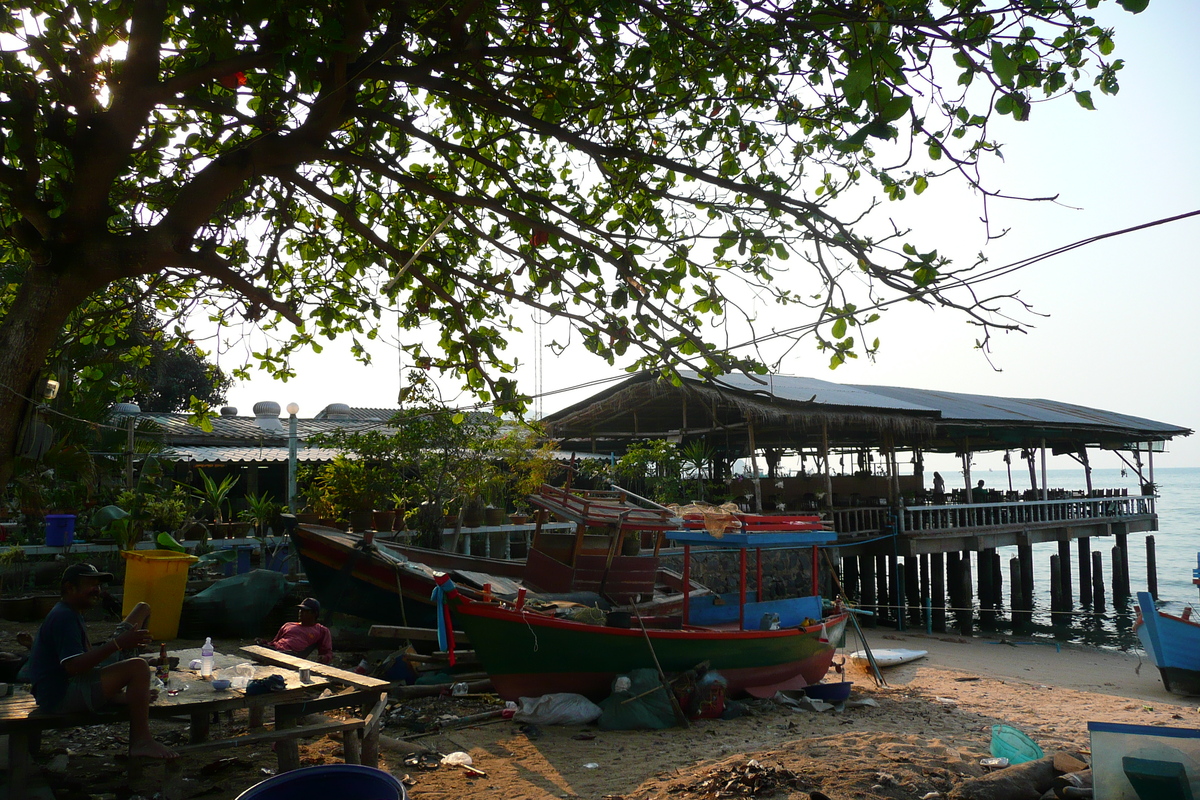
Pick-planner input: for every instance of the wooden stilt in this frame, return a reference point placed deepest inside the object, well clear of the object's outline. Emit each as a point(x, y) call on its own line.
point(867, 595)
point(966, 618)
point(1085, 571)
point(1097, 583)
point(912, 589)
point(895, 591)
point(1118, 573)
point(1064, 582)
point(983, 567)
point(1056, 602)
point(953, 581)
point(1151, 568)
point(997, 581)
point(1014, 580)
point(881, 589)
point(1025, 553)
point(1122, 589)
point(850, 577)
point(937, 590)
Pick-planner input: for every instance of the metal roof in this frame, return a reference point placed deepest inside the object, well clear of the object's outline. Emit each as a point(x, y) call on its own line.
point(812, 390)
point(235, 454)
point(792, 411)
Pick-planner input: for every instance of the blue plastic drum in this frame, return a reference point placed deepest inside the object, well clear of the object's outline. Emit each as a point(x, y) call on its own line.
point(329, 781)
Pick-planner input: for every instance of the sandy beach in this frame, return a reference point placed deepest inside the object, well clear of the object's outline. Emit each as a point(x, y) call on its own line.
point(926, 732)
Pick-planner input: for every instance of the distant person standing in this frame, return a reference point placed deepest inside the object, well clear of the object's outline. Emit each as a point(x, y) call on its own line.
point(979, 494)
point(939, 485)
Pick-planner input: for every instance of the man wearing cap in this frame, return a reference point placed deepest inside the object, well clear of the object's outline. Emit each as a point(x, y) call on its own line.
point(300, 638)
point(67, 672)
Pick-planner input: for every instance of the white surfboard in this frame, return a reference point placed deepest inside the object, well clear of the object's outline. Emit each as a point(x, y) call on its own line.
point(889, 657)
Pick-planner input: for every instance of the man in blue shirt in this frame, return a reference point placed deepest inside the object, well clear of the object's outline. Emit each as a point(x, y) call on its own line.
point(67, 672)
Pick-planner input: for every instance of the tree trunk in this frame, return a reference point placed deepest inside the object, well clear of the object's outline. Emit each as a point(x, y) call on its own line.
point(27, 332)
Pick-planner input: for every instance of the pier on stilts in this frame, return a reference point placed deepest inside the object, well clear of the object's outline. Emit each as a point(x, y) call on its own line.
point(915, 549)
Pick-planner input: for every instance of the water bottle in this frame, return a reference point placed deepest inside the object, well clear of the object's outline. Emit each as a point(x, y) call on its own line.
point(206, 658)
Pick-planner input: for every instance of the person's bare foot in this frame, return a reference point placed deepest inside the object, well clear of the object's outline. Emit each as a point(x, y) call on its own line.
point(151, 749)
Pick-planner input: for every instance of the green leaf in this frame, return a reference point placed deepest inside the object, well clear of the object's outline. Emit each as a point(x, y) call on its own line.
point(839, 328)
point(1004, 66)
point(1134, 6)
point(921, 184)
point(1085, 99)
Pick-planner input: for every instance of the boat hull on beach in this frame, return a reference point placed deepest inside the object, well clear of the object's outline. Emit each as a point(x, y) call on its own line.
point(1173, 643)
point(392, 584)
point(528, 654)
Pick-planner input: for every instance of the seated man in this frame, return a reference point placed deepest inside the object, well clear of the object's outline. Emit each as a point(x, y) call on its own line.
point(66, 670)
point(300, 638)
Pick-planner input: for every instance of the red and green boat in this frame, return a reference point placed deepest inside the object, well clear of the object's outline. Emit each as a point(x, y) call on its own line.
point(528, 654)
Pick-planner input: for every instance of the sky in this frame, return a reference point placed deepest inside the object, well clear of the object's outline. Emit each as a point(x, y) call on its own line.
point(1122, 318)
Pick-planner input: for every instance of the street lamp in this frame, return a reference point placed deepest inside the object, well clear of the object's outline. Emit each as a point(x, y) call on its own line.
point(292, 410)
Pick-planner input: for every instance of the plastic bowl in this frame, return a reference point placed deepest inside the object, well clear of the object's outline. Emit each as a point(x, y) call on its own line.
point(1010, 743)
point(220, 685)
point(829, 692)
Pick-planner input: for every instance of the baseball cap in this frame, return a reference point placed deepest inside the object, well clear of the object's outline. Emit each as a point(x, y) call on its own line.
point(312, 604)
point(76, 571)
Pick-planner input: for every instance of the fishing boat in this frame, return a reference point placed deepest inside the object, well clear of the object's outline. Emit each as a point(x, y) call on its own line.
point(392, 584)
point(527, 653)
point(1173, 642)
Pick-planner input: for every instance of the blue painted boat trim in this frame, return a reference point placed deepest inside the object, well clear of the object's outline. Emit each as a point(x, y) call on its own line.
point(791, 610)
point(1144, 730)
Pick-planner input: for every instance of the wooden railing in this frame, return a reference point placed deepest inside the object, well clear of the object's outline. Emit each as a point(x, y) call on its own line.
point(1038, 513)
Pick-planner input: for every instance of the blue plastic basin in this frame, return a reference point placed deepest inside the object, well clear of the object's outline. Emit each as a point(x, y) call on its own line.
point(329, 781)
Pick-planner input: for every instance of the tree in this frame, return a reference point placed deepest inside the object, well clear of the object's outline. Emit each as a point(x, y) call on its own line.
point(621, 164)
point(117, 352)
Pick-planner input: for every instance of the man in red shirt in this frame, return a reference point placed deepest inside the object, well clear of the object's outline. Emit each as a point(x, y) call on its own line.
point(301, 638)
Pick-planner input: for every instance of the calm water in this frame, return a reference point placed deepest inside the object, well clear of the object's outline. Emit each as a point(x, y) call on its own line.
point(1176, 544)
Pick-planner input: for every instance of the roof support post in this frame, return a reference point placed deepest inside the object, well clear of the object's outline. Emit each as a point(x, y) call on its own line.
point(1150, 460)
point(1087, 468)
point(1045, 488)
point(754, 466)
point(825, 461)
point(966, 470)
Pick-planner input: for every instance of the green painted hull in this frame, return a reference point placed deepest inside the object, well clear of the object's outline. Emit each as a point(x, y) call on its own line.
point(528, 654)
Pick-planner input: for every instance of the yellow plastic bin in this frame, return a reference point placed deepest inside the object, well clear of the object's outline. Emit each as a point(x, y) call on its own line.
point(157, 577)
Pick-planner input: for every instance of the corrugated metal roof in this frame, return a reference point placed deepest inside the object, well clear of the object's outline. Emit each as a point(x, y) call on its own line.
point(803, 390)
point(948, 406)
point(222, 455)
point(953, 406)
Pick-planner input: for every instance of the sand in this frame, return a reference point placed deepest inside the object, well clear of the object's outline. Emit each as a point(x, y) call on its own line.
point(927, 731)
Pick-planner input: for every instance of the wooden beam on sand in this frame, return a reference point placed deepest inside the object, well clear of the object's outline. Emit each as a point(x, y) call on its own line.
point(420, 634)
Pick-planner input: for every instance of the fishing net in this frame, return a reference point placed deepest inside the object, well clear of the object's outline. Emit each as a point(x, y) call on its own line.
point(718, 520)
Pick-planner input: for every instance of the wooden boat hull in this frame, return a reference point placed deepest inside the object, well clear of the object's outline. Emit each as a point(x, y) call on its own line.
point(397, 590)
point(368, 584)
point(1173, 643)
point(528, 654)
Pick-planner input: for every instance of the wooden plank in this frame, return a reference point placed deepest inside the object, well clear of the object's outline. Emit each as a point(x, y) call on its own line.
point(327, 726)
point(269, 656)
point(420, 634)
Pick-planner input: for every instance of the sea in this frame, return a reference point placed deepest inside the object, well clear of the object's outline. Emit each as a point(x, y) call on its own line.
point(1176, 544)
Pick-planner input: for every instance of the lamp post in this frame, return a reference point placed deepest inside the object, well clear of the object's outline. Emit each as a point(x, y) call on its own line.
point(292, 410)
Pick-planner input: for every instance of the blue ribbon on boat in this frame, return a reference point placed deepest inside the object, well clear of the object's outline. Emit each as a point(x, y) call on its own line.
point(441, 591)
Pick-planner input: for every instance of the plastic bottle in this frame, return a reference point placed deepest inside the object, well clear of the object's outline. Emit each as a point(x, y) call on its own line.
point(206, 658)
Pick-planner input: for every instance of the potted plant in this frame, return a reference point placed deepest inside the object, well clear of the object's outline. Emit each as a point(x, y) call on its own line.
point(167, 512)
point(215, 496)
point(346, 486)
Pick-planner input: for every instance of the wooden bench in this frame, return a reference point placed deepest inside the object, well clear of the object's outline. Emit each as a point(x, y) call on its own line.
point(21, 720)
